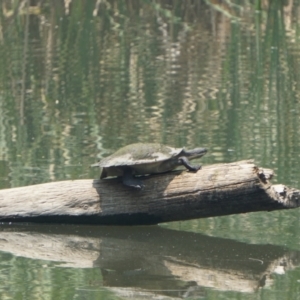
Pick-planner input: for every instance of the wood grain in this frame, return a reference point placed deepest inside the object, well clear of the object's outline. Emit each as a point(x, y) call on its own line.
point(215, 190)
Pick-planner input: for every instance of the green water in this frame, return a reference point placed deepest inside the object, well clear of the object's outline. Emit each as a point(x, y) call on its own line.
point(80, 79)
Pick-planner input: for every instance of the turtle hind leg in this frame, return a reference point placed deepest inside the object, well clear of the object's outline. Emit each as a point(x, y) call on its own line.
point(129, 180)
point(184, 160)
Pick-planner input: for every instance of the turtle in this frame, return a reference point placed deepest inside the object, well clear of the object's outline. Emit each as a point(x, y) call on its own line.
point(146, 158)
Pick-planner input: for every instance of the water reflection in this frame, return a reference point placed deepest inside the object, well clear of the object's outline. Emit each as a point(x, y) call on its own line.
point(150, 260)
point(79, 79)
point(184, 74)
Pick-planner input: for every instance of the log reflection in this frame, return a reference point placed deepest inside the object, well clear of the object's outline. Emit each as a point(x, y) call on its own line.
point(152, 259)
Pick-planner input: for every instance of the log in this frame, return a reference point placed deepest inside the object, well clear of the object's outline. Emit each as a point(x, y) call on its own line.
point(215, 190)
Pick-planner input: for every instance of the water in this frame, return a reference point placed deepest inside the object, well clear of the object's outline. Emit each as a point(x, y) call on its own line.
point(79, 80)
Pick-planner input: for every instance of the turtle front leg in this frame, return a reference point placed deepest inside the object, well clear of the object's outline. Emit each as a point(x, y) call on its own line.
point(129, 180)
point(184, 160)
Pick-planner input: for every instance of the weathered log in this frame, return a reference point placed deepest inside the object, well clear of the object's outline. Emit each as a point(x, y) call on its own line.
point(216, 190)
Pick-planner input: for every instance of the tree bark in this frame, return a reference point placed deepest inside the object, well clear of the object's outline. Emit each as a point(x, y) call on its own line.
point(215, 190)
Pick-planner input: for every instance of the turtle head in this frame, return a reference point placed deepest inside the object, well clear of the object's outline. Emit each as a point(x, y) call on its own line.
point(194, 153)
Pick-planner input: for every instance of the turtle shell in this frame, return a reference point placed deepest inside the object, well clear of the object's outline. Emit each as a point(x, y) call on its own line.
point(139, 153)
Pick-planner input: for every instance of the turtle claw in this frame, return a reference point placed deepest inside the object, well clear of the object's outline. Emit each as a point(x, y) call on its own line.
point(138, 186)
point(131, 181)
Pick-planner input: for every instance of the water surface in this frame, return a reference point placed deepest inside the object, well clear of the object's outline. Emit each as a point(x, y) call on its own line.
point(80, 79)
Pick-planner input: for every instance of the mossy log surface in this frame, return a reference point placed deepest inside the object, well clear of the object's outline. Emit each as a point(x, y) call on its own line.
point(215, 190)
